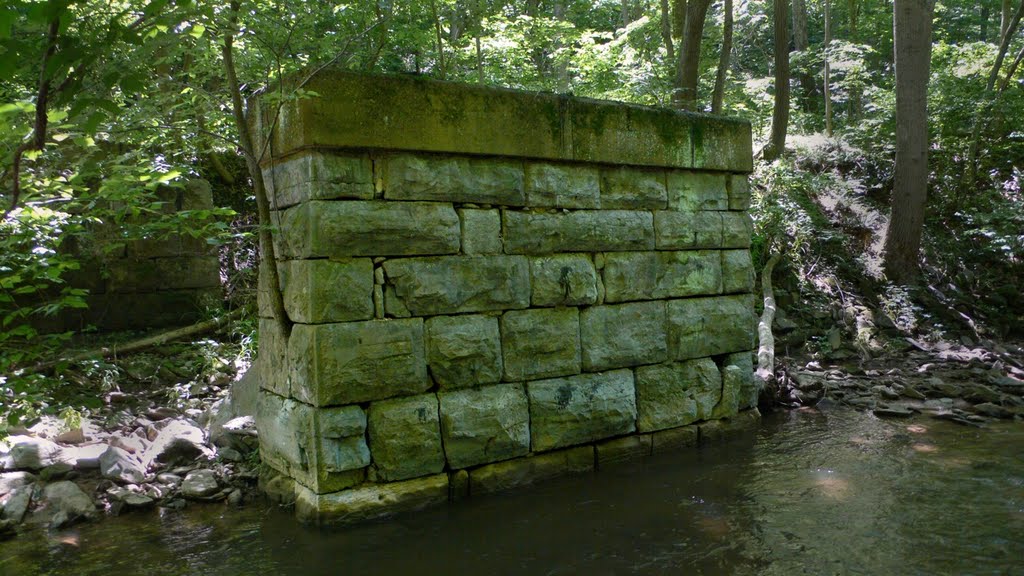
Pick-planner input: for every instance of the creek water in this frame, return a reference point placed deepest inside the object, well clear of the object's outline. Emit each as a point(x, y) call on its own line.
point(833, 492)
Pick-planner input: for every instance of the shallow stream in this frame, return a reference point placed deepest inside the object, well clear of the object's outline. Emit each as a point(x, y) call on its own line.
point(835, 492)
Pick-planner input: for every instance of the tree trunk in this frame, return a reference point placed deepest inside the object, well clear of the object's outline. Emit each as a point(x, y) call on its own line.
point(801, 44)
point(561, 66)
point(853, 112)
point(689, 55)
point(268, 258)
point(666, 31)
point(439, 39)
point(828, 69)
point(1004, 21)
point(984, 23)
point(912, 35)
point(780, 114)
point(723, 60)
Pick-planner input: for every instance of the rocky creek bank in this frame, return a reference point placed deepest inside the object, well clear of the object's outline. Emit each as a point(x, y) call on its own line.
point(135, 456)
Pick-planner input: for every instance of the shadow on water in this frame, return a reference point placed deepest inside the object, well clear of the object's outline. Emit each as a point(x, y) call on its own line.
point(838, 492)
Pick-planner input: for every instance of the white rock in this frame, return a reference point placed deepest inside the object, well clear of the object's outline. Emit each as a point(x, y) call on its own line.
point(16, 503)
point(65, 502)
point(12, 480)
point(118, 465)
point(32, 453)
point(85, 457)
point(199, 484)
point(176, 441)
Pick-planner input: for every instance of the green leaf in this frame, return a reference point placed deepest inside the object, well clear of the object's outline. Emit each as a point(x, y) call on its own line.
point(197, 31)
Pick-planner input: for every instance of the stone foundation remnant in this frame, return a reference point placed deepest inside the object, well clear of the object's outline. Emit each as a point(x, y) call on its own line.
point(493, 287)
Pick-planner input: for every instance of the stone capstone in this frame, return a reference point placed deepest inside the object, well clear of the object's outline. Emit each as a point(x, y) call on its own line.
point(578, 409)
point(540, 343)
point(623, 335)
point(319, 229)
point(405, 437)
point(428, 286)
point(671, 395)
point(486, 424)
point(463, 351)
point(577, 231)
point(338, 364)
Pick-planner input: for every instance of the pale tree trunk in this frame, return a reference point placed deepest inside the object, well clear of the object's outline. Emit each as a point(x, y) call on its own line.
point(666, 31)
point(689, 55)
point(440, 40)
point(780, 114)
point(828, 68)
point(723, 59)
point(912, 34)
point(562, 65)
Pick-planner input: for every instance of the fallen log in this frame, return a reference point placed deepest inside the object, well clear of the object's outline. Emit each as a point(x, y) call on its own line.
point(766, 341)
point(142, 343)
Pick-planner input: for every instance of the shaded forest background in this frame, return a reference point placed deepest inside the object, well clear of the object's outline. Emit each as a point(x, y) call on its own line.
point(103, 104)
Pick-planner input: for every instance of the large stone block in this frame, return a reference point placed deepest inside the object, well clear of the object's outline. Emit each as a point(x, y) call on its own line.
point(370, 500)
point(486, 424)
point(623, 335)
point(336, 364)
point(738, 372)
point(687, 230)
point(623, 450)
point(464, 351)
point(318, 176)
point(709, 326)
point(633, 189)
point(737, 271)
point(319, 229)
point(319, 291)
point(671, 395)
point(481, 181)
point(695, 191)
point(540, 343)
point(579, 231)
point(562, 186)
point(579, 409)
point(719, 144)
point(530, 469)
point(272, 360)
point(563, 280)
point(452, 284)
point(737, 229)
point(481, 231)
point(405, 437)
point(323, 449)
point(656, 275)
point(739, 192)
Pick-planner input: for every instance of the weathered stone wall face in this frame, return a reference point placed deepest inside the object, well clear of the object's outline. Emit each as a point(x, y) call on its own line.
point(479, 313)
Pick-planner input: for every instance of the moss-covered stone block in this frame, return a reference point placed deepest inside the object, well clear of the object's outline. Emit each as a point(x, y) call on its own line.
point(562, 185)
point(701, 327)
point(449, 285)
point(481, 231)
point(578, 231)
point(630, 188)
point(321, 291)
point(676, 394)
point(447, 179)
point(737, 271)
point(563, 280)
point(737, 230)
point(658, 275)
point(687, 230)
point(540, 343)
point(319, 229)
point(510, 474)
point(579, 409)
point(694, 191)
point(318, 175)
point(488, 424)
point(623, 335)
point(337, 364)
point(405, 437)
point(464, 351)
point(370, 501)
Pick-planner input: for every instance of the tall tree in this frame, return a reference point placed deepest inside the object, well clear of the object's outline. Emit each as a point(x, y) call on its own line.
point(801, 43)
point(723, 59)
point(780, 113)
point(828, 68)
point(912, 40)
point(688, 71)
point(666, 31)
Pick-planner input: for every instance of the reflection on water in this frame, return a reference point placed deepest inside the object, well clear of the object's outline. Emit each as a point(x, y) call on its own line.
point(809, 493)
